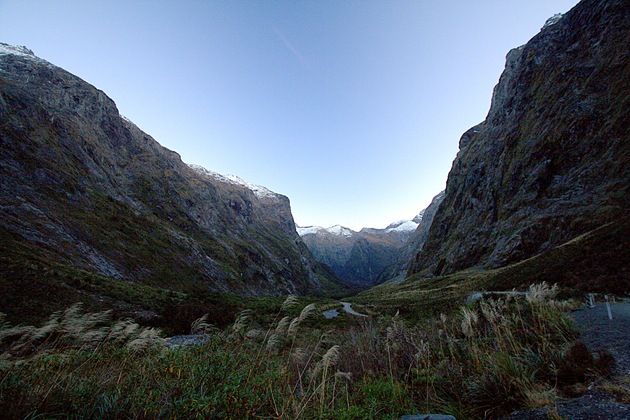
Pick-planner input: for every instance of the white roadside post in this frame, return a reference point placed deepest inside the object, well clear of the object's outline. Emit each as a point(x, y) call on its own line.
point(608, 308)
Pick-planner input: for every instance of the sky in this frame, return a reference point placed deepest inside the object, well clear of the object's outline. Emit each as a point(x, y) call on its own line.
point(352, 109)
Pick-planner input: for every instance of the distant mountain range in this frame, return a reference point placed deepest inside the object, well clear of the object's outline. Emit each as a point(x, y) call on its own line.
point(369, 256)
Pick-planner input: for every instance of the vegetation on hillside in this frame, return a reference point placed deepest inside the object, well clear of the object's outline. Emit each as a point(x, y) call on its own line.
point(35, 285)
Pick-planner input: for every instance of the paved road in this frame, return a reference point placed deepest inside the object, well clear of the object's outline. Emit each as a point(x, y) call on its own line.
point(598, 332)
point(347, 307)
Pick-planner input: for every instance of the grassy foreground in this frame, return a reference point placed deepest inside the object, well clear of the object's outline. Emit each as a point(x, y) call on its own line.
point(477, 361)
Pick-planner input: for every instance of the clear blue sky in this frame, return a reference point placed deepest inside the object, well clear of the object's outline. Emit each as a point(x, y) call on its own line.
point(353, 109)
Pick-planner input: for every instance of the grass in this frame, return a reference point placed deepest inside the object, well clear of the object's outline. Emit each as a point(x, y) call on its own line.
point(422, 350)
point(36, 286)
point(597, 261)
point(282, 359)
point(416, 299)
point(618, 387)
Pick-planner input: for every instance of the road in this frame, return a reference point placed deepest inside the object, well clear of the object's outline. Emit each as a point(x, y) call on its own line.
point(598, 332)
point(346, 306)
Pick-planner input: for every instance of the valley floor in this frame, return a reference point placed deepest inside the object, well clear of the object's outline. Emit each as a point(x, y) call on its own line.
point(284, 359)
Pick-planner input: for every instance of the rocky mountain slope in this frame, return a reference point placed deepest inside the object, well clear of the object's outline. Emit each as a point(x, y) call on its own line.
point(552, 159)
point(361, 258)
point(83, 187)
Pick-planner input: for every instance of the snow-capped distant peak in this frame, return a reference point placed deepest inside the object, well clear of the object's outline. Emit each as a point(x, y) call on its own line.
point(258, 190)
point(418, 217)
point(22, 52)
point(402, 226)
point(308, 230)
point(339, 230)
point(333, 230)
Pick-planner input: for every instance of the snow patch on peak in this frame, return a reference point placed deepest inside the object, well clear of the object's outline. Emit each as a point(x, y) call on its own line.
point(15, 50)
point(308, 230)
point(418, 217)
point(128, 121)
point(552, 20)
point(258, 190)
point(339, 230)
point(131, 122)
point(22, 52)
point(403, 226)
point(333, 230)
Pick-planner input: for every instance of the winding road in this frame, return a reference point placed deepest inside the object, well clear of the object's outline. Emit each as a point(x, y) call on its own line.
point(346, 306)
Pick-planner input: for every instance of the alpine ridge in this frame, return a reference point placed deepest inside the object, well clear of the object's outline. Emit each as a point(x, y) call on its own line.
point(397, 271)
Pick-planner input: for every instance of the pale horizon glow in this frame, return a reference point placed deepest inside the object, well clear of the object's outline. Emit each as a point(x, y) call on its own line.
point(352, 109)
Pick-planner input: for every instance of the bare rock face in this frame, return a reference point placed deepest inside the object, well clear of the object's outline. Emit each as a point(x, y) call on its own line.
point(552, 159)
point(82, 186)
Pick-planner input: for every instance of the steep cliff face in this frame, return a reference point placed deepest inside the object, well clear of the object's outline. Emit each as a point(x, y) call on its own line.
point(358, 258)
point(83, 186)
point(552, 159)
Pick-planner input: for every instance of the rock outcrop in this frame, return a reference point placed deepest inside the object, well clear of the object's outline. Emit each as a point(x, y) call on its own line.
point(84, 187)
point(552, 159)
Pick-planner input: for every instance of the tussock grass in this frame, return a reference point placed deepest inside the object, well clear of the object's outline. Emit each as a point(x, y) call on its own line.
point(619, 387)
point(479, 361)
point(73, 329)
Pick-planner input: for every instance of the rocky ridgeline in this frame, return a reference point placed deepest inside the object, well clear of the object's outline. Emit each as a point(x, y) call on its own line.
point(357, 258)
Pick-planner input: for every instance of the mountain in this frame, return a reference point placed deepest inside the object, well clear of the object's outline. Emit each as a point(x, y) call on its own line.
point(551, 161)
point(84, 188)
point(398, 270)
point(359, 258)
